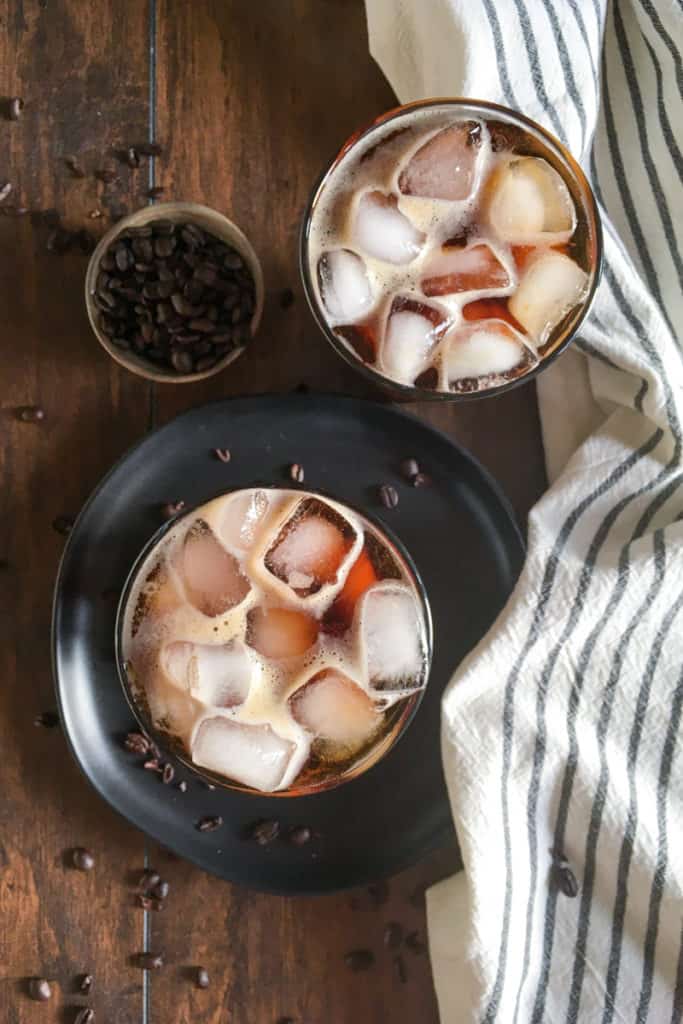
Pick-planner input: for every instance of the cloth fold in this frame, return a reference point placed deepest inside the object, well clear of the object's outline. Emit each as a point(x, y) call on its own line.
point(560, 731)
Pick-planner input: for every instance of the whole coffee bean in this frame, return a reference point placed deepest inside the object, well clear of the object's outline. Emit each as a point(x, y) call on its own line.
point(148, 879)
point(167, 774)
point(264, 832)
point(223, 454)
point(202, 979)
point(388, 495)
point(209, 824)
point(421, 480)
point(182, 786)
point(565, 879)
point(409, 468)
point(5, 191)
point(82, 859)
point(160, 890)
point(30, 413)
point(39, 989)
point(152, 765)
point(132, 157)
point(172, 508)
point(296, 472)
point(233, 261)
point(74, 166)
point(300, 835)
point(16, 108)
point(85, 984)
point(359, 959)
point(149, 961)
point(47, 720)
point(85, 1016)
point(182, 362)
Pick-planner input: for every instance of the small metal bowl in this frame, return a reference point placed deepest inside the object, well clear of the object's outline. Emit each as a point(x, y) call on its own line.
point(213, 223)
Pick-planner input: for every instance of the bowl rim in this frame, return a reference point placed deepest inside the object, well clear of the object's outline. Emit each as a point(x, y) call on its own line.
point(214, 778)
point(409, 392)
point(165, 211)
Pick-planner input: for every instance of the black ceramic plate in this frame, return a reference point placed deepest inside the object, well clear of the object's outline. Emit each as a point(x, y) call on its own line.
point(462, 537)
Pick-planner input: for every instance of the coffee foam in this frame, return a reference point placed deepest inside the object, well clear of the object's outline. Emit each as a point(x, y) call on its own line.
point(168, 617)
point(375, 163)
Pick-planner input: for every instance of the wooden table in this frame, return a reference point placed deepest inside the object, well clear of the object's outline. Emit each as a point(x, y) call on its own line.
point(249, 100)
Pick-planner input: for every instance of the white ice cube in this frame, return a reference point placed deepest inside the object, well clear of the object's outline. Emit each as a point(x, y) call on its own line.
point(344, 285)
point(392, 637)
point(215, 674)
point(382, 231)
point(444, 168)
point(309, 553)
point(252, 755)
point(454, 269)
point(526, 201)
point(410, 339)
point(281, 632)
point(241, 519)
point(212, 577)
point(484, 349)
point(551, 285)
point(334, 708)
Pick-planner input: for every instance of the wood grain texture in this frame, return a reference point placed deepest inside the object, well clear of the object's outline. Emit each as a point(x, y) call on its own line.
point(252, 100)
point(83, 76)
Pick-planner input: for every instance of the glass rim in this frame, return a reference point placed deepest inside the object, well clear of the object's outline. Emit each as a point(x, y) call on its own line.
point(386, 533)
point(410, 391)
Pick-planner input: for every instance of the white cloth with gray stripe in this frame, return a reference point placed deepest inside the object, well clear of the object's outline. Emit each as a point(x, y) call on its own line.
point(561, 730)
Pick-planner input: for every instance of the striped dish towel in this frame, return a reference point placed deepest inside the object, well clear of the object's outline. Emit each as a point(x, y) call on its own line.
point(561, 731)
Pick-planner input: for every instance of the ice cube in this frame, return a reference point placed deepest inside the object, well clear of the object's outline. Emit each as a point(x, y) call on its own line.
point(444, 167)
point(550, 287)
point(215, 674)
point(212, 577)
point(280, 632)
point(453, 269)
point(483, 351)
point(335, 709)
point(311, 548)
point(412, 333)
point(391, 634)
point(382, 231)
point(525, 200)
point(344, 284)
point(253, 755)
point(242, 517)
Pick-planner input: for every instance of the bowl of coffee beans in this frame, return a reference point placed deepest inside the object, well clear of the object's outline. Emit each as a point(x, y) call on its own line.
point(174, 292)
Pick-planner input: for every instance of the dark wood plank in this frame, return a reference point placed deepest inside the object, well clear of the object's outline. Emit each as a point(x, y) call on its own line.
point(252, 101)
point(82, 71)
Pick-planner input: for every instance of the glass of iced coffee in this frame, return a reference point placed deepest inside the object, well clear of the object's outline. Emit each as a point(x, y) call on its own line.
point(451, 249)
point(276, 640)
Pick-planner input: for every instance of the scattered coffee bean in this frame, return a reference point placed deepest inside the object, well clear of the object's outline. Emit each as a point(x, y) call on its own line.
point(156, 191)
point(209, 824)
point(95, 214)
point(564, 878)
point(421, 480)
point(300, 835)
point(359, 959)
point(202, 979)
point(63, 524)
point(415, 944)
point(47, 720)
point(148, 903)
point(5, 191)
point(182, 786)
point(286, 298)
point(149, 149)
point(409, 468)
point(136, 743)
point(172, 508)
point(106, 175)
point(149, 961)
point(148, 879)
point(30, 413)
point(400, 969)
point(152, 765)
point(222, 453)
point(74, 166)
point(388, 495)
point(85, 1016)
point(132, 157)
point(85, 984)
point(393, 935)
point(168, 774)
point(264, 832)
point(40, 989)
point(160, 890)
point(16, 108)
point(296, 473)
point(82, 859)
point(209, 785)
